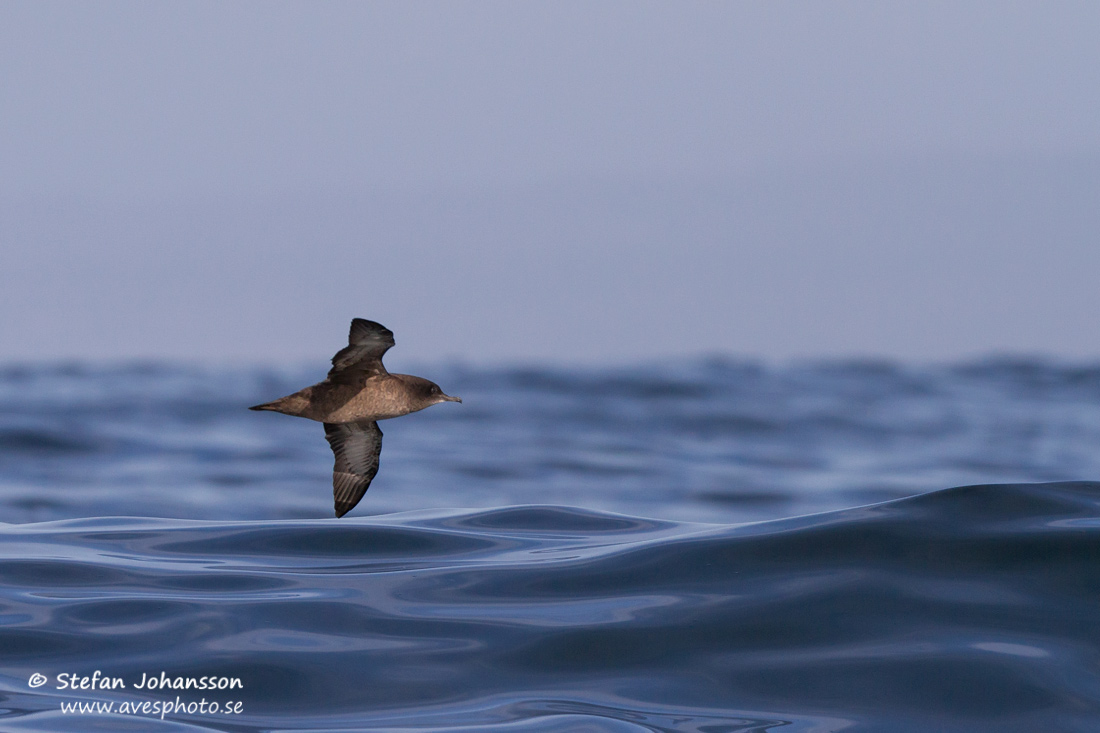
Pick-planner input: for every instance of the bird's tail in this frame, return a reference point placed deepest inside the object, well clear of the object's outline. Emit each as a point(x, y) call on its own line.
point(296, 404)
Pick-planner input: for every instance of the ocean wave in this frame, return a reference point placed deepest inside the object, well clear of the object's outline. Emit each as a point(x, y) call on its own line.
point(969, 609)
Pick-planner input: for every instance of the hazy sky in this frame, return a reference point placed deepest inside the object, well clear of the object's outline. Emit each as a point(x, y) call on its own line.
point(589, 181)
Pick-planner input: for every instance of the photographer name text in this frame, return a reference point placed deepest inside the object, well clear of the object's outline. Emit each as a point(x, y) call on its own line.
point(99, 681)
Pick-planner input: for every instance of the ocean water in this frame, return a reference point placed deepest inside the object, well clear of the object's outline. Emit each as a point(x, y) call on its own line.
point(707, 546)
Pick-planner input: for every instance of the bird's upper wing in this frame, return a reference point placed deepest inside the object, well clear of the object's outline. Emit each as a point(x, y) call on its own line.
point(357, 446)
point(362, 357)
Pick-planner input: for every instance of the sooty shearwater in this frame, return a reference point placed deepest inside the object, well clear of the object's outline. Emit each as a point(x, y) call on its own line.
point(358, 392)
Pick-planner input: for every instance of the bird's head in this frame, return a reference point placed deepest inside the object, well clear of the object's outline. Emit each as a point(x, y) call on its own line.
point(433, 395)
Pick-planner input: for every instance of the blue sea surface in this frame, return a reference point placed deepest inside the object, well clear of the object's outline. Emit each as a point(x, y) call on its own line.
point(707, 546)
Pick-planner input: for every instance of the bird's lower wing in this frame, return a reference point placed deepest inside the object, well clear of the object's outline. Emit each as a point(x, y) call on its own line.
point(357, 446)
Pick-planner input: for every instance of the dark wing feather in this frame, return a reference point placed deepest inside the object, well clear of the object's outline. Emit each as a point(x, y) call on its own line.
point(357, 446)
point(362, 357)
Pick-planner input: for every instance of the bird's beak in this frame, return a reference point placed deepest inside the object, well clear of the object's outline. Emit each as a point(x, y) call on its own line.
point(448, 398)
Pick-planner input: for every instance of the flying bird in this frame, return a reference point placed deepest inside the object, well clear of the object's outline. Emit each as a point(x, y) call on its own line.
point(356, 394)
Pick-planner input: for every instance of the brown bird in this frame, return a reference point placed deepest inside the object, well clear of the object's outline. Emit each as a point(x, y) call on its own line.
point(358, 392)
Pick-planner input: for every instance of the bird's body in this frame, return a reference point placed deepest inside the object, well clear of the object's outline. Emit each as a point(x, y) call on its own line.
point(358, 392)
point(378, 397)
